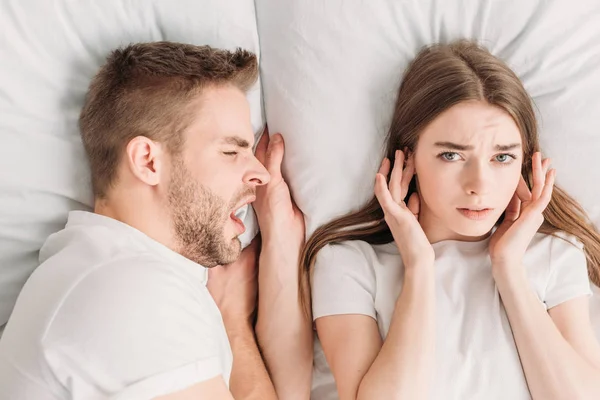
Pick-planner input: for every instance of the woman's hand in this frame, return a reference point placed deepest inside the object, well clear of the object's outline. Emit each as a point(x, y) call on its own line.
point(523, 217)
point(402, 219)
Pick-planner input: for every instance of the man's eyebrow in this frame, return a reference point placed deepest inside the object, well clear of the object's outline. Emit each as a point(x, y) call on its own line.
point(462, 147)
point(236, 141)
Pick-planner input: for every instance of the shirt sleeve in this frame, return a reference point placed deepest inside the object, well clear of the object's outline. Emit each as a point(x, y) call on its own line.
point(343, 282)
point(568, 278)
point(133, 331)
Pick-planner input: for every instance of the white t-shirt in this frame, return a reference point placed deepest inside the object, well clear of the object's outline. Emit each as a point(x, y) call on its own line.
point(476, 356)
point(111, 314)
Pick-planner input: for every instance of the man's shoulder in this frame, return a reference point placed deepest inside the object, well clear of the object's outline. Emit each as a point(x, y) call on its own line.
point(136, 294)
point(132, 277)
point(132, 317)
point(91, 243)
point(101, 257)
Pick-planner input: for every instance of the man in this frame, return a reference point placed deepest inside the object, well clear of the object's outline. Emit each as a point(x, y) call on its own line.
point(119, 307)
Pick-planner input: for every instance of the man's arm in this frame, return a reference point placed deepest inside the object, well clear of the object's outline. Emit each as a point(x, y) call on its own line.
point(212, 389)
point(234, 290)
point(283, 329)
point(249, 377)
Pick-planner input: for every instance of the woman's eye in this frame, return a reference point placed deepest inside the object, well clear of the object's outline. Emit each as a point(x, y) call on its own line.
point(230, 153)
point(449, 156)
point(504, 158)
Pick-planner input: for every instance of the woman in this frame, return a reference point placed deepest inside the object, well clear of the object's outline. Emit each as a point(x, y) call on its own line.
point(477, 287)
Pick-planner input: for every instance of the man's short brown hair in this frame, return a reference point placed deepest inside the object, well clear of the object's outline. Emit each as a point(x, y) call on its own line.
point(145, 89)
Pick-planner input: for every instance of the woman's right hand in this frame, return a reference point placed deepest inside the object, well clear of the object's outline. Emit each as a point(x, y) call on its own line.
point(401, 218)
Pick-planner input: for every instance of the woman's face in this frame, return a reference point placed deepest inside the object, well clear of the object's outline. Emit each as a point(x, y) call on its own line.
point(468, 165)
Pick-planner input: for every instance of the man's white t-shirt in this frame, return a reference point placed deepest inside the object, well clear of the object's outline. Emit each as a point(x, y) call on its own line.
point(476, 356)
point(111, 314)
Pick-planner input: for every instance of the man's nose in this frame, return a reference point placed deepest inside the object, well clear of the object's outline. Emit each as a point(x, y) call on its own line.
point(257, 174)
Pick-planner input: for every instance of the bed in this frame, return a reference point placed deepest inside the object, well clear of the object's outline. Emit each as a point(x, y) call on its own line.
point(329, 75)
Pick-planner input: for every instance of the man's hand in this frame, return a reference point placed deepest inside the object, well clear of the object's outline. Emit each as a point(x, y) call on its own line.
point(234, 288)
point(283, 330)
point(277, 214)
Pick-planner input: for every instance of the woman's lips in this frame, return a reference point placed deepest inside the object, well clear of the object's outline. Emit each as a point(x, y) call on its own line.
point(476, 215)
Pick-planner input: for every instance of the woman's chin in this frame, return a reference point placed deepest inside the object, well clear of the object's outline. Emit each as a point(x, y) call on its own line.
point(473, 229)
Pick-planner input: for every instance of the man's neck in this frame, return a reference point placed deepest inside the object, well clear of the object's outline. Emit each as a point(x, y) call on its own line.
point(139, 213)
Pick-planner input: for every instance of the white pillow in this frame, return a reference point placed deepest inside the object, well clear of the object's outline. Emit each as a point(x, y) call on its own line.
point(331, 70)
point(50, 51)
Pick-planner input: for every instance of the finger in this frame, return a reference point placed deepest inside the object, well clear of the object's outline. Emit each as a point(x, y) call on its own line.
point(414, 204)
point(523, 191)
point(261, 148)
point(546, 166)
point(546, 194)
point(384, 169)
point(396, 178)
point(513, 210)
point(407, 176)
point(275, 157)
point(384, 197)
point(538, 176)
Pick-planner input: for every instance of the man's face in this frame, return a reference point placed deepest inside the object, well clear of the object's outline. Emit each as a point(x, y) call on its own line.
point(215, 175)
point(468, 165)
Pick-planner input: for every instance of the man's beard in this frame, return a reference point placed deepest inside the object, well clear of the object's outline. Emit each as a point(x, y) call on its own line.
point(199, 219)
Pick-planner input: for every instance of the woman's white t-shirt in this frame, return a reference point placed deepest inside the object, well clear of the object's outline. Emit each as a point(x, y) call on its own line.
point(476, 356)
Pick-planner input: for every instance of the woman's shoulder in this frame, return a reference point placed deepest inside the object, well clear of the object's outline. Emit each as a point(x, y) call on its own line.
point(558, 241)
point(552, 248)
point(359, 250)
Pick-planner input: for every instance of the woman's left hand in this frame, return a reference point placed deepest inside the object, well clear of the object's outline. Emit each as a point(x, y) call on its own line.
point(523, 217)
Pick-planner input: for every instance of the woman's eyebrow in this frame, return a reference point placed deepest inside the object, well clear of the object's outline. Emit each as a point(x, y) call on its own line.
point(463, 147)
point(453, 146)
point(507, 147)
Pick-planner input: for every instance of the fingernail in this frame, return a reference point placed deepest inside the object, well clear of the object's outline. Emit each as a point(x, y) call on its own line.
point(276, 138)
point(397, 153)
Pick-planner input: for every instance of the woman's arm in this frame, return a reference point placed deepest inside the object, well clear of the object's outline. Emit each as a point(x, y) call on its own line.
point(558, 351)
point(402, 367)
point(553, 367)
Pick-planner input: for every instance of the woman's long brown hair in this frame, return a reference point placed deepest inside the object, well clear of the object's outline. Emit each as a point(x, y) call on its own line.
point(440, 77)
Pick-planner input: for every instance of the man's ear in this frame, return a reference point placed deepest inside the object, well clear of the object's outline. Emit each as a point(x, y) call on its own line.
point(145, 158)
